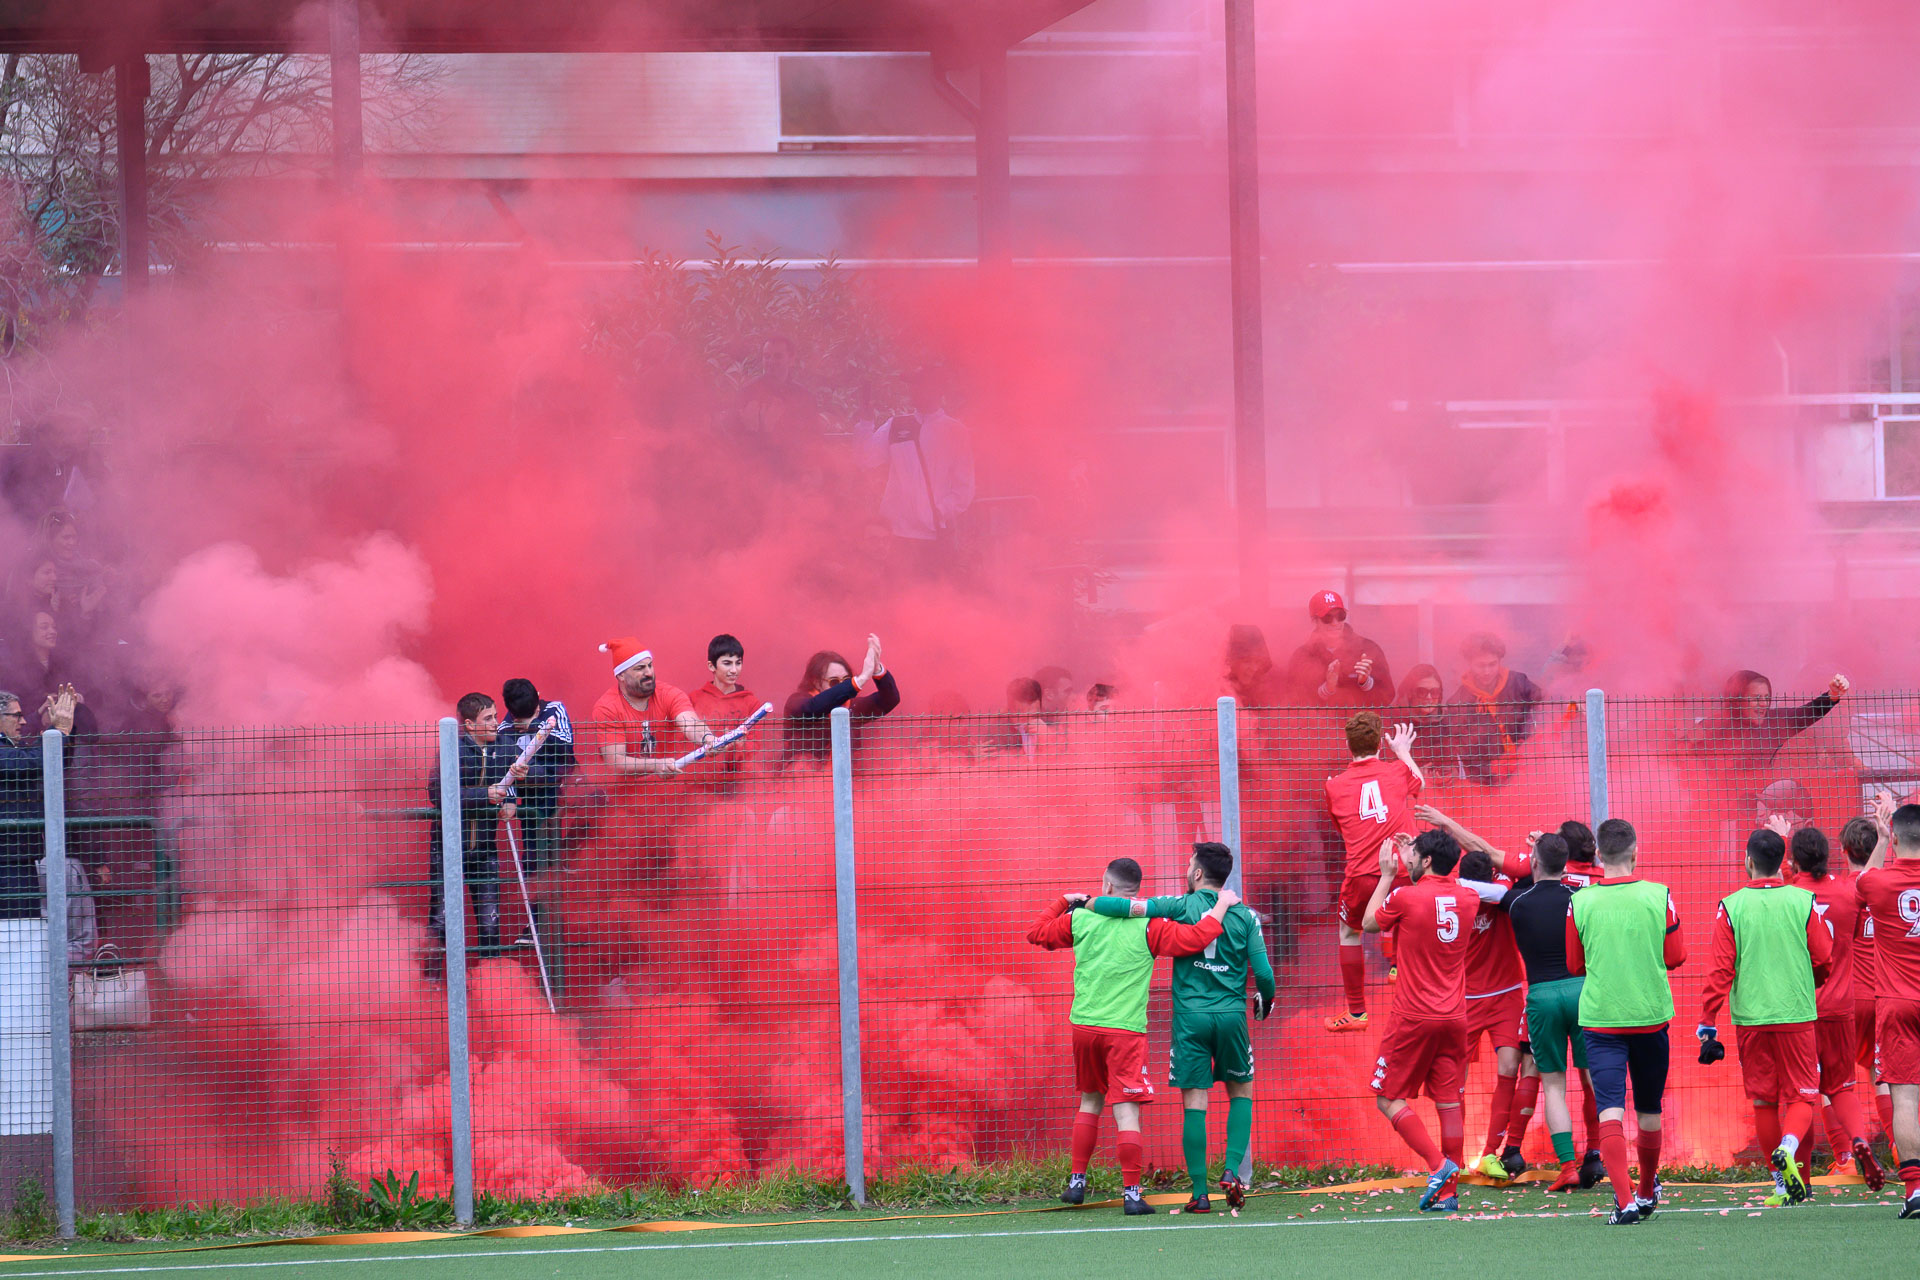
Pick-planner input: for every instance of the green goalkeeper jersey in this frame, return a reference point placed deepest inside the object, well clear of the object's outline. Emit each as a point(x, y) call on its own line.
point(1214, 980)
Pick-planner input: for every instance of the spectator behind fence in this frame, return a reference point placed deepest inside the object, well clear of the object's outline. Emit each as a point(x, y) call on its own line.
point(638, 719)
point(928, 457)
point(1056, 692)
point(1494, 708)
point(484, 761)
point(1023, 729)
point(1250, 676)
point(1102, 698)
point(1337, 666)
point(777, 418)
point(1748, 731)
point(1422, 704)
point(21, 791)
point(537, 788)
point(827, 683)
point(723, 702)
point(39, 669)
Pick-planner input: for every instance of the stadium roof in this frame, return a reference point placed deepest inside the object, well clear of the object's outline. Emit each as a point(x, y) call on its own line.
point(529, 26)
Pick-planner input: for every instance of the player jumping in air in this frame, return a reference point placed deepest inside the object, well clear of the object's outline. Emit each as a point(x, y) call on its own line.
point(1835, 1036)
point(1624, 935)
point(1892, 893)
point(1425, 1045)
point(1210, 1037)
point(1372, 802)
point(1112, 966)
point(1770, 950)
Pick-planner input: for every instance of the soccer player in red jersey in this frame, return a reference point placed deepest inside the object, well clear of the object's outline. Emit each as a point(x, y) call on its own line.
point(1892, 893)
point(1425, 1045)
point(1836, 1039)
point(1497, 1010)
point(1112, 966)
point(1771, 953)
point(1860, 838)
point(1371, 802)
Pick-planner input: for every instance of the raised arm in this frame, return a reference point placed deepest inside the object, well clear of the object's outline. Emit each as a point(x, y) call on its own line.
point(1121, 908)
point(1402, 741)
point(1468, 840)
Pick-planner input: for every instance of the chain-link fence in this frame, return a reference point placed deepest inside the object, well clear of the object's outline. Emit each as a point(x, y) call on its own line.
point(660, 978)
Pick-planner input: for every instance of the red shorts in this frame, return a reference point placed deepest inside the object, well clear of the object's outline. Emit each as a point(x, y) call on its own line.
point(1779, 1063)
point(1836, 1040)
point(1897, 1040)
point(1111, 1063)
point(1355, 891)
point(1501, 1018)
point(1863, 1028)
point(1422, 1057)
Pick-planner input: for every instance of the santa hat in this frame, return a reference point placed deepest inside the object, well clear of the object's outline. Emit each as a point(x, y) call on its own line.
point(626, 652)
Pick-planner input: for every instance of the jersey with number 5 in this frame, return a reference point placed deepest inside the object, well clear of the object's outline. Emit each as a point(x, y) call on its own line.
point(1892, 894)
point(1432, 924)
point(1835, 903)
point(1371, 801)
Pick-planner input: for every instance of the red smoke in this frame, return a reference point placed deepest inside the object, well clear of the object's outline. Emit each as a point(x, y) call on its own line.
point(366, 482)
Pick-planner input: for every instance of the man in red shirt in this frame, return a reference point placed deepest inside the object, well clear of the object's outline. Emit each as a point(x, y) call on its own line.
point(1371, 801)
point(1425, 1045)
point(1497, 1010)
point(637, 718)
point(1861, 837)
point(1892, 893)
point(1836, 1038)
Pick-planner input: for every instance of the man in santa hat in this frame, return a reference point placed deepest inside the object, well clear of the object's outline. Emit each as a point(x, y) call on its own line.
point(637, 718)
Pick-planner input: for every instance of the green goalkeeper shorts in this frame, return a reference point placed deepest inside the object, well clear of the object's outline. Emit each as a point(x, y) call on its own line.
point(1553, 1022)
point(1209, 1047)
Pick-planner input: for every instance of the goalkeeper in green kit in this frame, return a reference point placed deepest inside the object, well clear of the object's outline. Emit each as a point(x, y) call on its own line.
point(1210, 1037)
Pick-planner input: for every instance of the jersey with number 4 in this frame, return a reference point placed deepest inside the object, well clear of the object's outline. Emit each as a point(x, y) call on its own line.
point(1372, 801)
point(1432, 925)
point(1892, 894)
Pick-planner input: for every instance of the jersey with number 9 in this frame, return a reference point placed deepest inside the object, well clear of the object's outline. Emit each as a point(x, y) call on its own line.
point(1432, 925)
point(1892, 894)
point(1372, 801)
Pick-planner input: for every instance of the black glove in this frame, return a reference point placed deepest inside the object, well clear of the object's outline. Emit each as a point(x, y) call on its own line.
point(1262, 1006)
point(1711, 1050)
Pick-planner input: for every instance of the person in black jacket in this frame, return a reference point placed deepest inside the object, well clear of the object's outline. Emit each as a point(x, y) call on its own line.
point(828, 682)
point(22, 784)
point(1492, 709)
point(484, 799)
point(1748, 730)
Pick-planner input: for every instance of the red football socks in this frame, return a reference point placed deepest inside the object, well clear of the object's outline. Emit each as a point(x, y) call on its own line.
point(1415, 1135)
point(1613, 1150)
point(1086, 1132)
point(1353, 977)
point(1796, 1118)
point(1453, 1133)
point(1498, 1113)
point(1883, 1104)
point(1526, 1096)
point(1649, 1152)
point(1132, 1157)
point(1910, 1177)
point(1590, 1113)
point(1766, 1124)
point(1846, 1120)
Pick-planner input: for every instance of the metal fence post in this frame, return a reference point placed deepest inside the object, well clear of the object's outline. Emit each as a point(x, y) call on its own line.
point(53, 770)
point(847, 930)
point(453, 916)
point(1597, 755)
point(1227, 721)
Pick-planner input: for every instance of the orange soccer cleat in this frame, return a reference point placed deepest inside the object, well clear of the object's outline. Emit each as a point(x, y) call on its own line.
point(1347, 1022)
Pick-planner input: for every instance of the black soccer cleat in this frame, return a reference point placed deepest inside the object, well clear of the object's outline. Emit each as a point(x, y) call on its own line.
point(1133, 1203)
point(1076, 1192)
point(1514, 1163)
point(1625, 1215)
point(1645, 1205)
point(1911, 1209)
point(1592, 1169)
point(1235, 1189)
point(1199, 1204)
